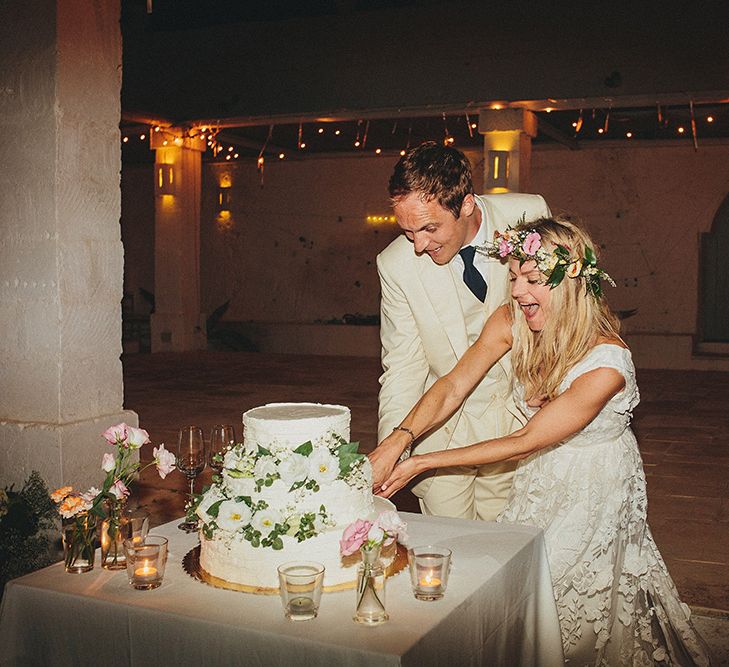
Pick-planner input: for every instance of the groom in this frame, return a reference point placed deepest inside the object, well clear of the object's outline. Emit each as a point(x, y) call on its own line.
point(436, 295)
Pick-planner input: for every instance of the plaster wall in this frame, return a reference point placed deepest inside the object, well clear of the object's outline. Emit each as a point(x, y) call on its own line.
point(647, 205)
point(61, 259)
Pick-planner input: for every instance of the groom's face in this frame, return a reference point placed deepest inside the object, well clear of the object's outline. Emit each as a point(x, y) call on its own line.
point(432, 228)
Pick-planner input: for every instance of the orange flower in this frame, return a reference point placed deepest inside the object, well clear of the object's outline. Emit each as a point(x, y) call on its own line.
point(73, 505)
point(59, 494)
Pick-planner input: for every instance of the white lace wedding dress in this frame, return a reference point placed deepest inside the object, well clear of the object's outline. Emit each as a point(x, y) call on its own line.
point(616, 601)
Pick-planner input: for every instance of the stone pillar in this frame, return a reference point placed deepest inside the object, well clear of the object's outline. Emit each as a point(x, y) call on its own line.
point(508, 130)
point(177, 323)
point(61, 257)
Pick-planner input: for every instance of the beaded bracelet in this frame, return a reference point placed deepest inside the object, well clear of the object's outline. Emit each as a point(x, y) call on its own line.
point(407, 430)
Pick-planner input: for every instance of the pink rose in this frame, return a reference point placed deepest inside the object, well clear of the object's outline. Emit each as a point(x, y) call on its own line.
point(108, 463)
point(505, 248)
point(115, 435)
point(354, 536)
point(164, 460)
point(393, 526)
point(136, 437)
point(90, 495)
point(531, 243)
point(119, 490)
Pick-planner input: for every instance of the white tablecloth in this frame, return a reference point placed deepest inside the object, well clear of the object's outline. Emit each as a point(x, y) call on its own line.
point(498, 610)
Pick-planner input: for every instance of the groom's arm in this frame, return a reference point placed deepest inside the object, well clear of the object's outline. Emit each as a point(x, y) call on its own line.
point(405, 367)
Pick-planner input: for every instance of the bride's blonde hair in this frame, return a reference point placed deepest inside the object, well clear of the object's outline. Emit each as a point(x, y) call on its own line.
point(576, 318)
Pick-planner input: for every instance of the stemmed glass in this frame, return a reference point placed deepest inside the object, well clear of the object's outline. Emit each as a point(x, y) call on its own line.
point(221, 437)
point(190, 462)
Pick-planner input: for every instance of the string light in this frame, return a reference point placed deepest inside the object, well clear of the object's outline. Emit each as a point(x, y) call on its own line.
point(681, 130)
point(142, 137)
point(303, 145)
point(337, 132)
point(281, 156)
point(378, 150)
point(600, 130)
point(320, 130)
point(125, 139)
point(235, 155)
point(402, 152)
point(629, 134)
point(474, 126)
point(710, 119)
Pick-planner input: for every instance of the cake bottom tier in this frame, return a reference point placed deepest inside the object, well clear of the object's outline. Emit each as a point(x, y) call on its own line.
point(240, 563)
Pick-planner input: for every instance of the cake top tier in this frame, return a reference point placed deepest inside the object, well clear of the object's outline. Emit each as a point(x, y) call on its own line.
point(294, 423)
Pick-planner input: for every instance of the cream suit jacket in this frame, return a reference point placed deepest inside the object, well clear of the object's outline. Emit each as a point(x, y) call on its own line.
point(423, 334)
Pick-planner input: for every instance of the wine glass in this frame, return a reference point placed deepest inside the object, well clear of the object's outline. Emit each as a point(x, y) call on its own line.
point(190, 462)
point(221, 437)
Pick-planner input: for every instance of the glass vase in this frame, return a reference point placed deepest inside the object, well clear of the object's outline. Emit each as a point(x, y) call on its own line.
point(79, 548)
point(370, 609)
point(112, 537)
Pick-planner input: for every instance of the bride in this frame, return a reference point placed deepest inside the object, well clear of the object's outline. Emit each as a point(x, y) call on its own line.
point(580, 477)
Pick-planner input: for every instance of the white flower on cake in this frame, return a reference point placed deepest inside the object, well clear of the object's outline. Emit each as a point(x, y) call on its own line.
point(265, 520)
point(294, 468)
point(233, 515)
point(323, 467)
point(265, 467)
point(207, 501)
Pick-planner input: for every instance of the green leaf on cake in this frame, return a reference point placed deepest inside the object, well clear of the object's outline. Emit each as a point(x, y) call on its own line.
point(348, 455)
point(262, 451)
point(305, 449)
point(277, 544)
point(214, 508)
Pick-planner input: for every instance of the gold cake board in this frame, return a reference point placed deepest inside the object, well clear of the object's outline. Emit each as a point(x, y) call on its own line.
point(191, 565)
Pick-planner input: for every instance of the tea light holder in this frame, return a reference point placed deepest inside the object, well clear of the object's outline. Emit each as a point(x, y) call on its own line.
point(146, 561)
point(429, 567)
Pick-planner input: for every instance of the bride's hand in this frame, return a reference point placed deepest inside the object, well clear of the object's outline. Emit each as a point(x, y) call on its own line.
point(399, 477)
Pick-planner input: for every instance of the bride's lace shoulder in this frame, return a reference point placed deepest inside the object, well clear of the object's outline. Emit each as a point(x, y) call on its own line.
point(619, 358)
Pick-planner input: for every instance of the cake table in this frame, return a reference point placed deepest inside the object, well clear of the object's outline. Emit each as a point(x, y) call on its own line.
point(498, 610)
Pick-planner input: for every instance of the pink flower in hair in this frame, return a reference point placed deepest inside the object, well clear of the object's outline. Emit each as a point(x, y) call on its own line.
point(505, 248)
point(531, 243)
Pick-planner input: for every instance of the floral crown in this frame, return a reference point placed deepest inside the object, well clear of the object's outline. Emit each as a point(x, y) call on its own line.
point(526, 244)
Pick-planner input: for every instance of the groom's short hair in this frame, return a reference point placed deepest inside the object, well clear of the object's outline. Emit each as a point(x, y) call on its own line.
point(436, 172)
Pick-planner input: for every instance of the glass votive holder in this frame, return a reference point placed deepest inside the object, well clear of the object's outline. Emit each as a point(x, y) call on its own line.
point(135, 525)
point(429, 567)
point(146, 561)
point(300, 586)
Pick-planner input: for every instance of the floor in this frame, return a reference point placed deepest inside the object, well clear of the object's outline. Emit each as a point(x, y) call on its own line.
point(682, 425)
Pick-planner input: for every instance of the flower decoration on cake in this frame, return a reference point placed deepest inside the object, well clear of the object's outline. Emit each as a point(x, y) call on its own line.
point(555, 264)
point(264, 494)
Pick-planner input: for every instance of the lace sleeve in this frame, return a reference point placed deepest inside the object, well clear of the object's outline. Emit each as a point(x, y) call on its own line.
point(609, 356)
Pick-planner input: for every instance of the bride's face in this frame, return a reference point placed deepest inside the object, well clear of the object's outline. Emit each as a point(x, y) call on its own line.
point(531, 292)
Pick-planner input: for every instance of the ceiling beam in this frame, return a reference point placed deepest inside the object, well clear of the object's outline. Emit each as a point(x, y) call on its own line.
point(557, 134)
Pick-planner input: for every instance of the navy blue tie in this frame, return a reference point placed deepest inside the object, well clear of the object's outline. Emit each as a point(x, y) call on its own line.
point(473, 279)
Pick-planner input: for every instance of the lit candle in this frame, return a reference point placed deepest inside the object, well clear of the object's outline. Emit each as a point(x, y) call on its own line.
point(429, 581)
point(146, 573)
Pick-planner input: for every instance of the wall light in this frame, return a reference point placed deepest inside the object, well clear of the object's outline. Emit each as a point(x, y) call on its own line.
point(224, 199)
point(498, 175)
point(165, 179)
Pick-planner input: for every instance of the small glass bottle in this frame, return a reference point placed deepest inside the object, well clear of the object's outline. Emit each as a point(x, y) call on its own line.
point(370, 609)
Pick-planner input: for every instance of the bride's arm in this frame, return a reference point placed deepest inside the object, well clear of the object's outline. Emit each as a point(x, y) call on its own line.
point(567, 414)
point(446, 395)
